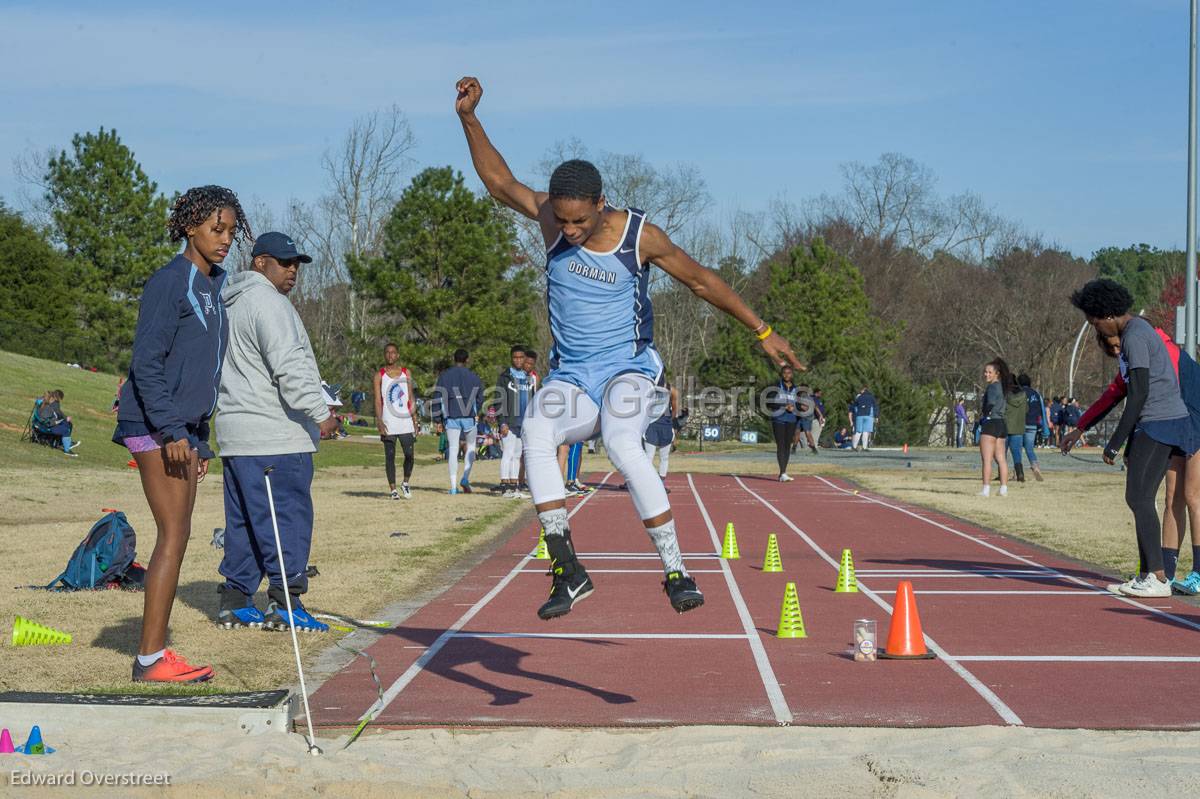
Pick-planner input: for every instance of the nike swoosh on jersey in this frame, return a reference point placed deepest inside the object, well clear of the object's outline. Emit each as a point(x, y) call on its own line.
point(625, 250)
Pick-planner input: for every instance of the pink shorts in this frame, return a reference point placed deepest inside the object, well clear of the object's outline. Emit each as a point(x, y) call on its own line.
point(143, 443)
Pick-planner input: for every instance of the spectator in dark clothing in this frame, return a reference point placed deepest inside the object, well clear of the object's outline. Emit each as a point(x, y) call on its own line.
point(781, 400)
point(819, 419)
point(53, 420)
point(1034, 414)
point(457, 398)
point(1070, 414)
point(514, 390)
point(806, 413)
point(864, 415)
point(1056, 428)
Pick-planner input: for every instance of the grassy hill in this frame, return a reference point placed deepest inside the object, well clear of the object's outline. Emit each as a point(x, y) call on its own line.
point(89, 397)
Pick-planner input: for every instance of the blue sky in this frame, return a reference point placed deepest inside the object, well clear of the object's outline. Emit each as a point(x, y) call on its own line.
point(1069, 117)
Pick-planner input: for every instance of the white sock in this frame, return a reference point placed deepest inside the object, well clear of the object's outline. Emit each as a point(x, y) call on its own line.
point(554, 522)
point(148, 660)
point(857, 440)
point(987, 490)
point(667, 544)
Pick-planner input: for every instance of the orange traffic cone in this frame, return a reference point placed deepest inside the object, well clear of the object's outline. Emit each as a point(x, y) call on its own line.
point(905, 639)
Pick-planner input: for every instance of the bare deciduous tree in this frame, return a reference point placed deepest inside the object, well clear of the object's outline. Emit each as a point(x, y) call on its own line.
point(363, 175)
point(30, 168)
point(891, 199)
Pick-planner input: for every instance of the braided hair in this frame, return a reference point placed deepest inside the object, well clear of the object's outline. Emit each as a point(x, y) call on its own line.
point(576, 180)
point(197, 204)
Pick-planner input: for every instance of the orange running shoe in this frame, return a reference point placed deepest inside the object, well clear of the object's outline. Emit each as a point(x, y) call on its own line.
point(170, 668)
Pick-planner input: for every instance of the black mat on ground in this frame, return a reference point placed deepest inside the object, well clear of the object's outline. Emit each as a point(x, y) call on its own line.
point(249, 699)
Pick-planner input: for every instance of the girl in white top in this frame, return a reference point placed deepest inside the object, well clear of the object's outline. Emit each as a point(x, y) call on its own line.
point(395, 417)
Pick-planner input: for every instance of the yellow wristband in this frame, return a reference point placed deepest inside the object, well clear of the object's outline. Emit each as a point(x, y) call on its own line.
point(763, 336)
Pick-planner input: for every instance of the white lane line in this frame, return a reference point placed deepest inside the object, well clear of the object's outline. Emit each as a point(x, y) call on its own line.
point(402, 682)
point(1047, 593)
point(1004, 711)
point(626, 571)
point(934, 572)
point(614, 636)
point(779, 705)
point(1027, 561)
point(1078, 658)
point(654, 555)
point(996, 576)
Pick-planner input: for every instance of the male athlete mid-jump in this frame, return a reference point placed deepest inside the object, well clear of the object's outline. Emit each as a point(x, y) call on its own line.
point(604, 371)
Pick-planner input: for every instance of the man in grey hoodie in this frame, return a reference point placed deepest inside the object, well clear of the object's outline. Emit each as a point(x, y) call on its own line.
point(271, 413)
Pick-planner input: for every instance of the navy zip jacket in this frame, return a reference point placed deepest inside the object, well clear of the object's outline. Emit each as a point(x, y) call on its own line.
point(178, 348)
point(457, 395)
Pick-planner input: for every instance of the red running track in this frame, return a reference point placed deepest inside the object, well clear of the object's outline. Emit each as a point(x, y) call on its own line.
point(1023, 637)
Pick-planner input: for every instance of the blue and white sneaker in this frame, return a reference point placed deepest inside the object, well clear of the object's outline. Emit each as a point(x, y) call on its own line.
point(1189, 585)
point(277, 618)
point(232, 618)
point(237, 609)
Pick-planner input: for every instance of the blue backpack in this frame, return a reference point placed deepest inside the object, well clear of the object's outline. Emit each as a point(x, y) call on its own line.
point(102, 557)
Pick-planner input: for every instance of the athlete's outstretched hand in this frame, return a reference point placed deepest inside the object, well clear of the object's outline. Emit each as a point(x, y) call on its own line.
point(781, 353)
point(469, 94)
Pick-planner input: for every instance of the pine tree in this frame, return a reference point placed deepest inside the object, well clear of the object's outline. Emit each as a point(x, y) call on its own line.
point(37, 294)
point(111, 221)
point(447, 279)
point(815, 298)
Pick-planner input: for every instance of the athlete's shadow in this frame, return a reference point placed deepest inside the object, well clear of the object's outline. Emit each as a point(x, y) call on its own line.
point(454, 659)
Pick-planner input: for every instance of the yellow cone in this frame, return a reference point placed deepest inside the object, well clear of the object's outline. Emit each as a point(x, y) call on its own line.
point(542, 553)
point(847, 583)
point(29, 633)
point(772, 562)
point(791, 624)
point(729, 549)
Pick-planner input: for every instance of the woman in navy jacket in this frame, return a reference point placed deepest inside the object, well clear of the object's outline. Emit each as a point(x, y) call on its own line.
point(166, 403)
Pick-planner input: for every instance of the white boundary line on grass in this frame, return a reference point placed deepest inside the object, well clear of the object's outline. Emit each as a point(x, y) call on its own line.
point(779, 706)
point(1004, 711)
point(402, 682)
point(1028, 562)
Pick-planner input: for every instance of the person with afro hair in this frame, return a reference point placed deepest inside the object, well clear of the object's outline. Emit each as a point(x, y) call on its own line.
point(605, 375)
point(168, 399)
point(1155, 423)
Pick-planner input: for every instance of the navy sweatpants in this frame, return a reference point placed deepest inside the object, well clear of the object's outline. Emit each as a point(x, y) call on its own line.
point(249, 537)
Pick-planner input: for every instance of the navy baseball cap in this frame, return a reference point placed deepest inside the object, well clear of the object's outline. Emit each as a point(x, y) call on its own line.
point(278, 246)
